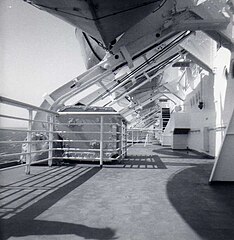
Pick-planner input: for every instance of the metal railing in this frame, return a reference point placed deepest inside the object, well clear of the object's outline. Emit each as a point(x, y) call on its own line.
point(120, 136)
point(140, 135)
point(29, 131)
point(50, 124)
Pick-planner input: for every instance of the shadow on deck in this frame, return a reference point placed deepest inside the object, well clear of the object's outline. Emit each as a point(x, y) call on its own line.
point(53, 187)
point(138, 162)
point(176, 198)
point(208, 209)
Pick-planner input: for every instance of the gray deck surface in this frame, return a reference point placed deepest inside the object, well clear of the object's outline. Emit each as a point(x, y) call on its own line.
point(155, 194)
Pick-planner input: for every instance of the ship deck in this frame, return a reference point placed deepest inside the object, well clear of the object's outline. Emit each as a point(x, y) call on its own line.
point(155, 193)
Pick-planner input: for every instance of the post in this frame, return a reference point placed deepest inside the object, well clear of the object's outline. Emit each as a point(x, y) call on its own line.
point(126, 139)
point(29, 144)
point(51, 137)
point(146, 139)
point(101, 140)
point(122, 138)
point(132, 138)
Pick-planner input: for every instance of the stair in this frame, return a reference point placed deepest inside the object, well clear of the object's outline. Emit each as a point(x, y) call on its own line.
point(165, 117)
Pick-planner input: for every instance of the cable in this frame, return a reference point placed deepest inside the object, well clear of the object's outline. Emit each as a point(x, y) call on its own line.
point(156, 55)
point(160, 6)
point(161, 52)
point(90, 46)
point(168, 47)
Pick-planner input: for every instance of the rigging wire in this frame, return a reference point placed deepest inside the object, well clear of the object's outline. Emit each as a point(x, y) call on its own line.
point(90, 46)
point(158, 67)
point(151, 59)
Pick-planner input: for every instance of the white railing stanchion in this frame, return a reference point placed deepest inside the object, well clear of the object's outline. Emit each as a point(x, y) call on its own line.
point(122, 139)
point(29, 144)
point(51, 138)
point(101, 140)
point(146, 140)
point(126, 139)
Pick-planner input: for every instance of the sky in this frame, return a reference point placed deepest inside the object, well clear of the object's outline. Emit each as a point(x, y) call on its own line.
point(38, 52)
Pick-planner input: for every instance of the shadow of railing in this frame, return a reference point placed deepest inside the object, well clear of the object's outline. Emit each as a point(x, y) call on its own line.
point(139, 162)
point(16, 222)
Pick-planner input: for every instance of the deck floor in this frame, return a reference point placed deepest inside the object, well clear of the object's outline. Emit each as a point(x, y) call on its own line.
point(155, 194)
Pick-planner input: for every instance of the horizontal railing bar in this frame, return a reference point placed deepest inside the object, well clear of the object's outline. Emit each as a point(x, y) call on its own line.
point(13, 154)
point(19, 104)
point(89, 113)
point(79, 132)
point(16, 118)
point(110, 141)
point(40, 161)
point(78, 140)
point(23, 119)
point(40, 131)
point(79, 149)
point(24, 130)
point(13, 129)
point(24, 164)
point(25, 153)
point(77, 158)
point(82, 132)
point(74, 124)
point(84, 150)
point(111, 124)
point(12, 167)
point(61, 141)
point(36, 141)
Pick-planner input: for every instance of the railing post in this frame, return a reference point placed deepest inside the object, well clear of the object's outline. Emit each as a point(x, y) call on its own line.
point(122, 137)
point(132, 138)
point(29, 139)
point(101, 140)
point(146, 140)
point(51, 138)
point(126, 139)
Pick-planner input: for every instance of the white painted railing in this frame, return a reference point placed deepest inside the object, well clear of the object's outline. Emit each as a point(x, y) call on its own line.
point(29, 131)
point(137, 135)
point(50, 122)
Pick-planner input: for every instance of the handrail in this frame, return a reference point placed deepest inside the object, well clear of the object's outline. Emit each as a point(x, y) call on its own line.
point(89, 113)
point(16, 103)
point(29, 149)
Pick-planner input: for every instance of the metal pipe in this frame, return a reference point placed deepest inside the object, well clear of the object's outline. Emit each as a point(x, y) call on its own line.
point(19, 104)
point(129, 92)
point(88, 113)
point(143, 66)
